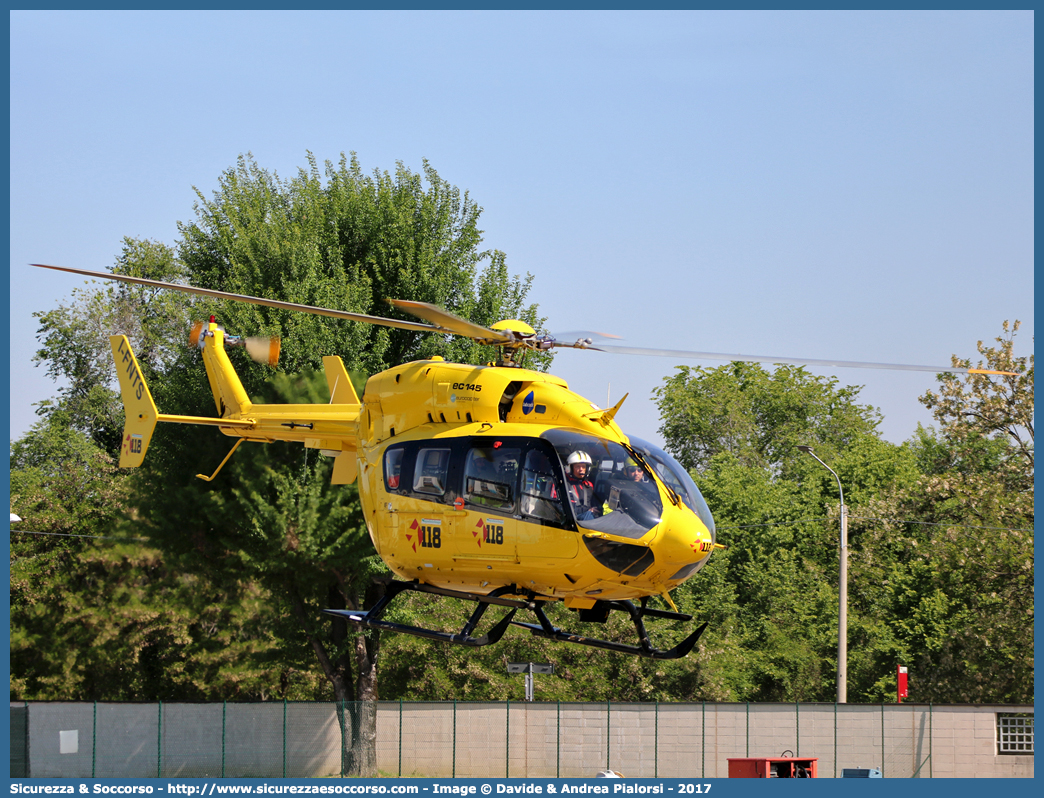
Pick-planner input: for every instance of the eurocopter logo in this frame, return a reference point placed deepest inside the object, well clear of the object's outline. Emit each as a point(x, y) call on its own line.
point(528, 403)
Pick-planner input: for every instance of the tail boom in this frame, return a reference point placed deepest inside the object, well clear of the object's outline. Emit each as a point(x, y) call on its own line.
point(331, 428)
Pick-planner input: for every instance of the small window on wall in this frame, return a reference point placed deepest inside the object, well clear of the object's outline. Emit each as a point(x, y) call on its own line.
point(392, 468)
point(429, 475)
point(1015, 733)
point(490, 475)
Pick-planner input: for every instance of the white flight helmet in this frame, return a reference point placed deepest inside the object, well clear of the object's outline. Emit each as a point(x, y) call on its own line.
point(579, 457)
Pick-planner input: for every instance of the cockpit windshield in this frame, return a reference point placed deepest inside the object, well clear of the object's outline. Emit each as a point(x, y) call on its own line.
point(609, 490)
point(672, 473)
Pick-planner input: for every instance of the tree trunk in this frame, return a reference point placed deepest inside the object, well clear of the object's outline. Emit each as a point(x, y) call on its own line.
point(362, 757)
point(356, 714)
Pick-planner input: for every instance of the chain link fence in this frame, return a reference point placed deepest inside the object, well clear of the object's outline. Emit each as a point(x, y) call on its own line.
point(499, 740)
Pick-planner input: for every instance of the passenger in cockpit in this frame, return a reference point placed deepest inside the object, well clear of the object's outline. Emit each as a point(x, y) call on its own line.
point(634, 472)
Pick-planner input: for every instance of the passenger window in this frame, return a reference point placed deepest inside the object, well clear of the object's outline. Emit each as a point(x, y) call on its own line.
point(429, 474)
point(392, 468)
point(490, 475)
point(539, 496)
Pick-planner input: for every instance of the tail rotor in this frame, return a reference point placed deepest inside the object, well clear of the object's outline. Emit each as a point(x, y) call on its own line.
point(260, 350)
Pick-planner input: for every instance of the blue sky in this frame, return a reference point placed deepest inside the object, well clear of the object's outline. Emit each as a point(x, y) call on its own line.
point(851, 185)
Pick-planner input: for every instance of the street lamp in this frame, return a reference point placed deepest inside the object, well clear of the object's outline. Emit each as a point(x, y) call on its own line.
point(842, 611)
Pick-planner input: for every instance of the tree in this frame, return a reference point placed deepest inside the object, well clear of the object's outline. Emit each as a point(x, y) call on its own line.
point(772, 594)
point(66, 487)
point(756, 416)
point(959, 582)
point(349, 243)
point(986, 406)
point(946, 566)
point(345, 243)
point(774, 605)
point(273, 523)
point(941, 559)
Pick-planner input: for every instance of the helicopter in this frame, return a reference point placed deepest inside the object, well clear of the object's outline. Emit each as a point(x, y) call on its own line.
point(496, 485)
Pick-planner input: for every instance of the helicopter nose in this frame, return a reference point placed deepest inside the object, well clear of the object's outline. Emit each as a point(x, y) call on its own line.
point(685, 540)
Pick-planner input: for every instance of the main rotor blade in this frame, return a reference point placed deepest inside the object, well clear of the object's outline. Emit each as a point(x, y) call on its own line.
point(254, 300)
point(855, 364)
point(447, 321)
point(577, 334)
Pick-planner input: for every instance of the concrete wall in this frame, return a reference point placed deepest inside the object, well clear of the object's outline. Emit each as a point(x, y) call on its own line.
point(496, 740)
point(690, 740)
point(967, 743)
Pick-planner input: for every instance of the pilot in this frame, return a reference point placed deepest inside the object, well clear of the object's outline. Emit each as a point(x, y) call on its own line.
point(580, 488)
point(635, 475)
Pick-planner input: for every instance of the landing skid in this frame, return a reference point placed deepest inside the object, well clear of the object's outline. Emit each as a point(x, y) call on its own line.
point(373, 619)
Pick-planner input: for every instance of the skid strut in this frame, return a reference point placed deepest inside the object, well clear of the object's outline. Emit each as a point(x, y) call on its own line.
point(374, 619)
point(643, 649)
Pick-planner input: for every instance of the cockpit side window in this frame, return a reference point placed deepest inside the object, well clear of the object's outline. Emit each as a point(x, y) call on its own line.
point(541, 496)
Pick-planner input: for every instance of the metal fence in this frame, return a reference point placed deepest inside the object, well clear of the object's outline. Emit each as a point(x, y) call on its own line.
point(495, 740)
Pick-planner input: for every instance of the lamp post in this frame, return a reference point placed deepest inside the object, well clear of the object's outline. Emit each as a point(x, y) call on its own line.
point(842, 611)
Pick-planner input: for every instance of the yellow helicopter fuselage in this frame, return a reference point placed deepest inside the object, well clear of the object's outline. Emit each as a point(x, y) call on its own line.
point(452, 542)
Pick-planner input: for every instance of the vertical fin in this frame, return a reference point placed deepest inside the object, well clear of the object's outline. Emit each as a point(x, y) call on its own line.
point(138, 407)
point(342, 392)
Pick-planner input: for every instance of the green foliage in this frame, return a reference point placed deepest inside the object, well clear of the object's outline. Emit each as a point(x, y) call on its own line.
point(62, 480)
point(69, 488)
point(98, 615)
point(349, 243)
point(272, 536)
point(955, 576)
point(758, 417)
point(115, 621)
point(773, 608)
point(987, 406)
